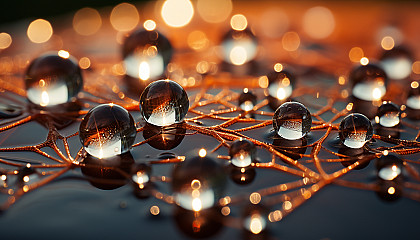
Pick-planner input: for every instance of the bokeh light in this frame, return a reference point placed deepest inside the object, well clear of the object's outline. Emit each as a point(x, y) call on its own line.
point(87, 21)
point(177, 13)
point(318, 22)
point(387, 43)
point(290, 41)
point(214, 11)
point(238, 22)
point(274, 23)
point(39, 31)
point(124, 17)
point(5, 40)
point(355, 54)
point(149, 25)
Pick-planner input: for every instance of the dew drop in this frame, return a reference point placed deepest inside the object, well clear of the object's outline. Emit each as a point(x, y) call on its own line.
point(289, 121)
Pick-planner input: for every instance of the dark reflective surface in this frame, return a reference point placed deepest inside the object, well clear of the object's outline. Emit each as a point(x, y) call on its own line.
point(164, 138)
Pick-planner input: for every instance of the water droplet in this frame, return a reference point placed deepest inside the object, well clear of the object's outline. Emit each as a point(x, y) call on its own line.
point(289, 121)
point(52, 79)
point(164, 103)
point(388, 115)
point(389, 167)
point(205, 171)
point(369, 82)
point(106, 128)
point(146, 54)
point(247, 100)
point(141, 176)
point(107, 174)
point(413, 102)
point(242, 153)
point(164, 138)
point(239, 46)
point(355, 130)
point(280, 87)
point(397, 63)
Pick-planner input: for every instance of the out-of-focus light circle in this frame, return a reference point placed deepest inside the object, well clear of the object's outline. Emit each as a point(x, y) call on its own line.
point(274, 23)
point(364, 61)
point(355, 54)
point(5, 40)
point(238, 22)
point(290, 41)
point(390, 31)
point(387, 43)
point(318, 22)
point(87, 21)
point(214, 11)
point(149, 25)
point(84, 63)
point(177, 13)
point(124, 17)
point(416, 67)
point(197, 40)
point(64, 54)
point(39, 31)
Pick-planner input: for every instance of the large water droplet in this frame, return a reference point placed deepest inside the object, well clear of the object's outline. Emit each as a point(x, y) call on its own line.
point(369, 82)
point(53, 79)
point(146, 54)
point(242, 153)
point(239, 47)
point(292, 120)
point(355, 130)
point(107, 130)
point(397, 63)
point(198, 183)
point(388, 114)
point(164, 103)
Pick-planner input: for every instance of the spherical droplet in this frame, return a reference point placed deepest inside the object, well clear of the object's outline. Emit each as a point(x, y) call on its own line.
point(413, 101)
point(239, 46)
point(389, 167)
point(369, 82)
point(397, 63)
point(292, 120)
point(247, 100)
point(388, 114)
point(280, 87)
point(146, 54)
point(198, 183)
point(141, 176)
point(355, 130)
point(107, 130)
point(163, 103)
point(53, 79)
point(242, 153)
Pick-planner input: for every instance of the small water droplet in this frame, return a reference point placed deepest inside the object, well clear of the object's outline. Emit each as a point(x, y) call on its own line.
point(355, 130)
point(242, 153)
point(388, 114)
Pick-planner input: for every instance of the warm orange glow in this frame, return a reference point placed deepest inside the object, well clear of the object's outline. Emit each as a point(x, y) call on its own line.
point(278, 67)
point(195, 184)
point(87, 21)
point(39, 31)
point(5, 40)
point(63, 54)
point(290, 41)
point(214, 11)
point(45, 99)
point(154, 210)
point(364, 61)
point(144, 70)
point(84, 63)
point(416, 67)
point(414, 84)
point(149, 25)
point(287, 205)
point(256, 225)
point(275, 216)
point(124, 17)
point(255, 198)
point(197, 40)
point(341, 80)
point(387, 43)
point(238, 55)
point(376, 94)
point(318, 22)
point(196, 204)
point(391, 190)
point(202, 152)
point(263, 82)
point(349, 106)
point(225, 211)
point(355, 54)
point(238, 22)
point(177, 13)
point(26, 179)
